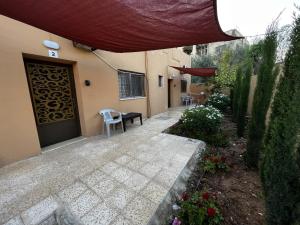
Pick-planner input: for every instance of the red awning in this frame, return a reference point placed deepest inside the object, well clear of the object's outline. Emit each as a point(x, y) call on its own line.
point(122, 25)
point(200, 72)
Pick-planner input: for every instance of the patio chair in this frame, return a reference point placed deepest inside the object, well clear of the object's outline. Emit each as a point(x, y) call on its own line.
point(109, 119)
point(186, 100)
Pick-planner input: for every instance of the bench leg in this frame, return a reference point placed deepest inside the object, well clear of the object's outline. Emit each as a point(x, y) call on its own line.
point(141, 120)
point(124, 125)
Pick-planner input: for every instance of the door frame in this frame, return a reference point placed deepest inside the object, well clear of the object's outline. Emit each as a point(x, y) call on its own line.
point(169, 93)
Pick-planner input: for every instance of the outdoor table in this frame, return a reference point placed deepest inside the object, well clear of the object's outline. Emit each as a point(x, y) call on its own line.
point(130, 116)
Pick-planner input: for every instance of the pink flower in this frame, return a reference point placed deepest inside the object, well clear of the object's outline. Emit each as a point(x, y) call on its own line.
point(176, 221)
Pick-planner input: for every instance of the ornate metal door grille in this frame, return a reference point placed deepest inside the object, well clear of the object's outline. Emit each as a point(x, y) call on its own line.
point(51, 92)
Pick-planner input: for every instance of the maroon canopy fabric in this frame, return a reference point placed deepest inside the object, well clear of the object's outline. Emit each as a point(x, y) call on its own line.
point(122, 25)
point(200, 72)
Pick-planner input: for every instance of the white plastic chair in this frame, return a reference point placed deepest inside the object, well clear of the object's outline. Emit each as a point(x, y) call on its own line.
point(186, 100)
point(108, 119)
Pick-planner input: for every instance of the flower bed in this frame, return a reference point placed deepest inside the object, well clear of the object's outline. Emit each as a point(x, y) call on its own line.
point(221, 190)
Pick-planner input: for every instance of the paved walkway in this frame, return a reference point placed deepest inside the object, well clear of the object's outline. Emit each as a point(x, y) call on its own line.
point(106, 181)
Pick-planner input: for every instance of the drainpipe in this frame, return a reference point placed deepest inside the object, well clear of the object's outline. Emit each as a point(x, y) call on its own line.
point(147, 86)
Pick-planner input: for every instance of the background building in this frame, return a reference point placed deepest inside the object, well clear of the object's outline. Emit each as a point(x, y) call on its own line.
point(215, 49)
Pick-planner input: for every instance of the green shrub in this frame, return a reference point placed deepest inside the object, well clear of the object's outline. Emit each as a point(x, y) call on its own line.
point(199, 209)
point(280, 168)
point(202, 120)
point(219, 139)
point(219, 101)
point(201, 123)
point(262, 98)
point(226, 70)
point(243, 99)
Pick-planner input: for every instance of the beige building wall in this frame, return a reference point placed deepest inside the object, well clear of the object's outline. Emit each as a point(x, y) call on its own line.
point(18, 133)
point(157, 61)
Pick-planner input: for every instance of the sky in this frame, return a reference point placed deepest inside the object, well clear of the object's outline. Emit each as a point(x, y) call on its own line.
point(252, 17)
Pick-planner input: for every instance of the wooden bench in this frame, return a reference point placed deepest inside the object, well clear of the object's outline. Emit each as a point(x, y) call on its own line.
point(131, 116)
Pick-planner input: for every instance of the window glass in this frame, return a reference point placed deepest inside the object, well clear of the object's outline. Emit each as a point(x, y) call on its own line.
point(202, 49)
point(131, 84)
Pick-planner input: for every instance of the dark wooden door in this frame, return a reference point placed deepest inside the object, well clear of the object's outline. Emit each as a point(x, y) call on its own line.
point(54, 102)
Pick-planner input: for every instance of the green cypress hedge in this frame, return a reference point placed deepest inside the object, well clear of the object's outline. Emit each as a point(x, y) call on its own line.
point(262, 98)
point(243, 100)
point(237, 92)
point(280, 170)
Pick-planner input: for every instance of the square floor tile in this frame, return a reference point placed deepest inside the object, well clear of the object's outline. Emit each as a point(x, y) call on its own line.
point(84, 203)
point(135, 164)
point(154, 192)
point(136, 181)
point(166, 178)
point(140, 210)
point(119, 198)
point(121, 174)
point(72, 192)
point(150, 170)
point(100, 215)
point(105, 186)
point(145, 156)
point(110, 167)
point(94, 178)
point(121, 220)
point(123, 159)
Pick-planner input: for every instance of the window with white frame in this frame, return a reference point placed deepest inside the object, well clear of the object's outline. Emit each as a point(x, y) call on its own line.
point(131, 84)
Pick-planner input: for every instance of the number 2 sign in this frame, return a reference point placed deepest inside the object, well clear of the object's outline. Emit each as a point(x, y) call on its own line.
point(53, 53)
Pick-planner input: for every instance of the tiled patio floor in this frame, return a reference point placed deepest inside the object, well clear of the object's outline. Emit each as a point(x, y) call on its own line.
point(107, 181)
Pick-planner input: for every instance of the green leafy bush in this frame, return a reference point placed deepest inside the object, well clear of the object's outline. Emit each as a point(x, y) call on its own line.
point(202, 120)
point(219, 101)
point(280, 167)
point(219, 139)
point(199, 209)
point(226, 70)
point(203, 123)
